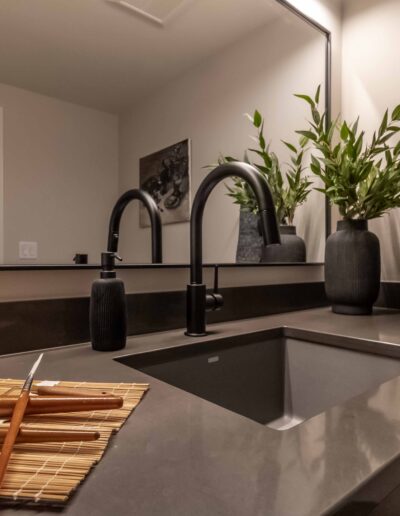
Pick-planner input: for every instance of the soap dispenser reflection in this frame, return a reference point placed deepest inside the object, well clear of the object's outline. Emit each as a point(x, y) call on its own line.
point(108, 310)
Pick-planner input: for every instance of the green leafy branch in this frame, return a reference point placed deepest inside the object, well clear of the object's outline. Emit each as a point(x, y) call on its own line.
point(362, 179)
point(289, 189)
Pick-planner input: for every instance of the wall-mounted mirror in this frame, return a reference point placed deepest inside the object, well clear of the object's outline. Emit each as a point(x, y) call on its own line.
point(102, 96)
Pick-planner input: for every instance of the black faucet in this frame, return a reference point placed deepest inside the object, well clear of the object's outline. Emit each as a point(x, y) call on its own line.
point(155, 220)
point(197, 299)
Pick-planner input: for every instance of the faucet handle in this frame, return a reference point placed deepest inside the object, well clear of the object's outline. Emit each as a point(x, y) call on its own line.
point(214, 301)
point(216, 268)
point(117, 257)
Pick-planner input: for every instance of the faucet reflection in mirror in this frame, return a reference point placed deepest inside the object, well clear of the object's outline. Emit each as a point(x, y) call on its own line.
point(197, 300)
point(155, 222)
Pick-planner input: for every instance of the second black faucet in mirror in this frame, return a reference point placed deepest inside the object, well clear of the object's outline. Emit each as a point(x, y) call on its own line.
point(155, 221)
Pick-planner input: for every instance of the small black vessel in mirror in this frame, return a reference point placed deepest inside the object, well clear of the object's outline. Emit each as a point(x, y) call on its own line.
point(80, 259)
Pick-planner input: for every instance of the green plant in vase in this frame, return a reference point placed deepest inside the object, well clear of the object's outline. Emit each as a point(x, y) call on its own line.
point(289, 187)
point(363, 180)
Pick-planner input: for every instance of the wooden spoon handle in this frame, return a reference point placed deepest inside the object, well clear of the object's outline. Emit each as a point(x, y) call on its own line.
point(59, 402)
point(61, 408)
point(9, 440)
point(66, 391)
point(27, 435)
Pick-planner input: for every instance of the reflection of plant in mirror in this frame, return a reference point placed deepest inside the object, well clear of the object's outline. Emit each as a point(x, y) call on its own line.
point(363, 180)
point(289, 189)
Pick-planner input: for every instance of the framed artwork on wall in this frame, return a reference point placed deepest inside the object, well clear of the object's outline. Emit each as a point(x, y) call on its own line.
point(165, 175)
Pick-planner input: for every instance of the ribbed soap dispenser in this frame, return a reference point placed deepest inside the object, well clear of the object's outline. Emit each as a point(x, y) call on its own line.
point(108, 311)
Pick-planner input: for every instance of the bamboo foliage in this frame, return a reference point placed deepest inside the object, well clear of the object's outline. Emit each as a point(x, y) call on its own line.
point(361, 177)
point(289, 185)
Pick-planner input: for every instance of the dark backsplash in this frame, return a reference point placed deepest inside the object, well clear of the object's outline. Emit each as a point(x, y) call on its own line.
point(30, 325)
point(389, 295)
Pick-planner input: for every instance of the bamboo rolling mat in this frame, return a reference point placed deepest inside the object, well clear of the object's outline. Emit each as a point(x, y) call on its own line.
point(50, 472)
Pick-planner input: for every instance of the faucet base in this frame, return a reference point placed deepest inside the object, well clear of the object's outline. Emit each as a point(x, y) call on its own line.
point(195, 334)
point(196, 310)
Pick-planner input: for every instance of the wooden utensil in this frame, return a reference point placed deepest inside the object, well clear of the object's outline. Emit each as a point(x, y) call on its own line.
point(16, 420)
point(61, 401)
point(65, 391)
point(55, 404)
point(28, 435)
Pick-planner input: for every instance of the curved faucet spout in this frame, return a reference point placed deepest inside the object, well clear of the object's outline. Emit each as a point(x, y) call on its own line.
point(197, 299)
point(258, 184)
point(155, 220)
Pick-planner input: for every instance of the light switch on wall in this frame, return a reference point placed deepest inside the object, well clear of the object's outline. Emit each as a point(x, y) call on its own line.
point(28, 250)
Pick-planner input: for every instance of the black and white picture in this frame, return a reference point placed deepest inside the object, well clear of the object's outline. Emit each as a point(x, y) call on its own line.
point(165, 175)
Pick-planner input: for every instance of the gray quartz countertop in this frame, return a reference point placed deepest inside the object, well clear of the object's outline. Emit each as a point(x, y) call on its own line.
point(179, 455)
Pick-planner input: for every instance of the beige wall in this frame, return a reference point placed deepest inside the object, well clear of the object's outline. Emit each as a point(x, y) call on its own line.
point(329, 14)
point(1, 187)
point(371, 83)
point(207, 105)
point(60, 176)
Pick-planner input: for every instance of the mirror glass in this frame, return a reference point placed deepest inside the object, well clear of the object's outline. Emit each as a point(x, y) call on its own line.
point(102, 96)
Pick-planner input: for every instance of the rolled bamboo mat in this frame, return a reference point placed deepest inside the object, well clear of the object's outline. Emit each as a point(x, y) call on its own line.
point(49, 472)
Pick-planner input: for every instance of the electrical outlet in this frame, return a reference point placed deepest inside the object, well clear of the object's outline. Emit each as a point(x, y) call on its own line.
point(28, 250)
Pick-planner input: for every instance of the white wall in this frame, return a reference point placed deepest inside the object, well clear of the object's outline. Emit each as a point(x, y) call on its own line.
point(60, 176)
point(329, 14)
point(207, 105)
point(1, 187)
point(371, 83)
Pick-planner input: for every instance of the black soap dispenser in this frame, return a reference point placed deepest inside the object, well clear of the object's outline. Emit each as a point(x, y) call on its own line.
point(108, 311)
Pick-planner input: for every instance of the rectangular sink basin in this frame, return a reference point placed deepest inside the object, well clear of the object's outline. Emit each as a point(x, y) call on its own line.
point(276, 380)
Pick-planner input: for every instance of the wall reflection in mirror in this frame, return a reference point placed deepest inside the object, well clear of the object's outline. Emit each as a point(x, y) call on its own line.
point(97, 99)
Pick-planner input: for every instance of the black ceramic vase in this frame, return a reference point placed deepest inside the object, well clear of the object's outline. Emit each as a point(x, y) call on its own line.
point(293, 248)
point(352, 268)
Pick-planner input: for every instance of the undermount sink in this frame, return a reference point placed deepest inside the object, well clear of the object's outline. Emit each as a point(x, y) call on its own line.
point(270, 377)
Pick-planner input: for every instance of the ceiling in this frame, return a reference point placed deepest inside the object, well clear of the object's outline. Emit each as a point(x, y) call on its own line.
point(95, 53)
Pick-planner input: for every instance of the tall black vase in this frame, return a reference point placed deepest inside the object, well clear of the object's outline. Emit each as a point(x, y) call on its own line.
point(352, 268)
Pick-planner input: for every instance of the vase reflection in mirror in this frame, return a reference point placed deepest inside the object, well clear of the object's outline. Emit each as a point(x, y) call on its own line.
point(290, 187)
point(250, 248)
point(291, 250)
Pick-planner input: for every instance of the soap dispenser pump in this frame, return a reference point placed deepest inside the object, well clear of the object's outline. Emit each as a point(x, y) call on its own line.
point(108, 311)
